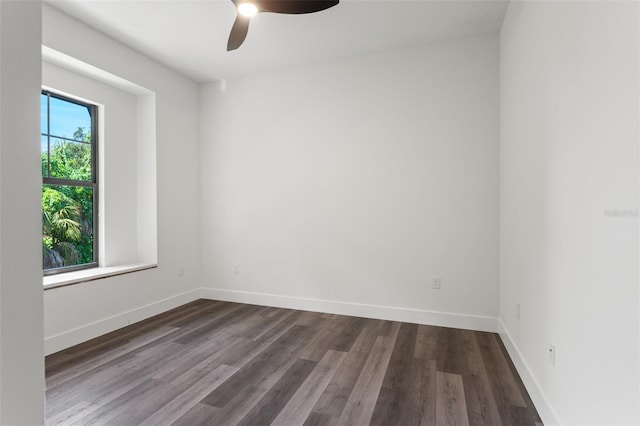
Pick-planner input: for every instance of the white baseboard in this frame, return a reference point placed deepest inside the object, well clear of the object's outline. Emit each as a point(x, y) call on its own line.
point(545, 410)
point(416, 316)
point(86, 332)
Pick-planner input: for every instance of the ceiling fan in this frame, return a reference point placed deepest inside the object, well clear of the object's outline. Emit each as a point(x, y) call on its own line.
point(249, 8)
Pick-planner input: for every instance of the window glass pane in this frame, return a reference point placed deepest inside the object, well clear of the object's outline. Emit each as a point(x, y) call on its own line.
point(67, 226)
point(68, 209)
point(69, 120)
point(70, 160)
point(43, 154)
point(43, 114)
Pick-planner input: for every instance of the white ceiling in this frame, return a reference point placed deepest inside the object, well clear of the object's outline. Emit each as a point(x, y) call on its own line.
point(190, 36)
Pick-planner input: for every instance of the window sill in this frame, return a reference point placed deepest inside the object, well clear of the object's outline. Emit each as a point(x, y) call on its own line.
point(76, 277)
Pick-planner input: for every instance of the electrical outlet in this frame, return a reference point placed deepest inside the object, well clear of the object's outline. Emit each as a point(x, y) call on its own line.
point(437, 281)
point(552, 354)
point(517, 311)
point(236, 268)
point(181, 271)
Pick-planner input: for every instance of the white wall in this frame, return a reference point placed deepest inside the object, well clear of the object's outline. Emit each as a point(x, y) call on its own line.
point(78, 312)
point(21, 348)
point(568, 154)
point(357, 181)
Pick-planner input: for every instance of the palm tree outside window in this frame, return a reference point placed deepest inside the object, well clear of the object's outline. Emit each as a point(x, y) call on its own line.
point(69, 183)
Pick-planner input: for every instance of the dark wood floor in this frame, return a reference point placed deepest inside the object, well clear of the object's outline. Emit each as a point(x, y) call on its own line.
point(218, 363)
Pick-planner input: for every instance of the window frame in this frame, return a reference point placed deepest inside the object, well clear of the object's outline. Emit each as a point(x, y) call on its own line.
point(93, 183)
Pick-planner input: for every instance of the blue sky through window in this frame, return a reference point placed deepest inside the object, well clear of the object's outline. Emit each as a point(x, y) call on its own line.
point(65, 118)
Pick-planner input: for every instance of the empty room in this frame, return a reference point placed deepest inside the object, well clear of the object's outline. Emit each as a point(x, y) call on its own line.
point(319, 212)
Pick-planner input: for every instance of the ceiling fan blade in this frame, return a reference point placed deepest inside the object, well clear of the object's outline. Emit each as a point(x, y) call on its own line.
point(295, 7)
point(238, 32)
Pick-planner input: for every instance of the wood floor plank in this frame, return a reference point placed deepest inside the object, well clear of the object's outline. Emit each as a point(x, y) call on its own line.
point(302, 402)
point(522, 415)
point(260, 368)
point(258, 390)
point(332, 402)
point(349, 331)
point(239, 406)
point(117, 406)
point(206, 357)
point(319, 345)
point(220, 363)
point(318, 419)
point(107, 356)
point(89, 349)
point(74, 413)
point(246, 350)
point(190, 397)
point(447, 351)
point(481, 404)
point(130, 375)
point(429, 389)
point(277, 328)
point(224, 322)
point(199, 415)
point(272, 403)
point(504, 369)
point(451, 409)
point(265, 323)
point(166, 392)
point(86, 350)
point(361, 403)
point(186, 319)
point(397, 385)
point(116, 378)
point(309, 318)
point(505, 389)
point(406, 395)
point(426, 342)
point(225, 349)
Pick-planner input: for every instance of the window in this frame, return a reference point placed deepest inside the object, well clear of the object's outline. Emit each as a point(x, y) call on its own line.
point(69, 183)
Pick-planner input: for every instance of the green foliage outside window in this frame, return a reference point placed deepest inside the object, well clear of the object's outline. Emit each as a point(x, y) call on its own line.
point(67, 211)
